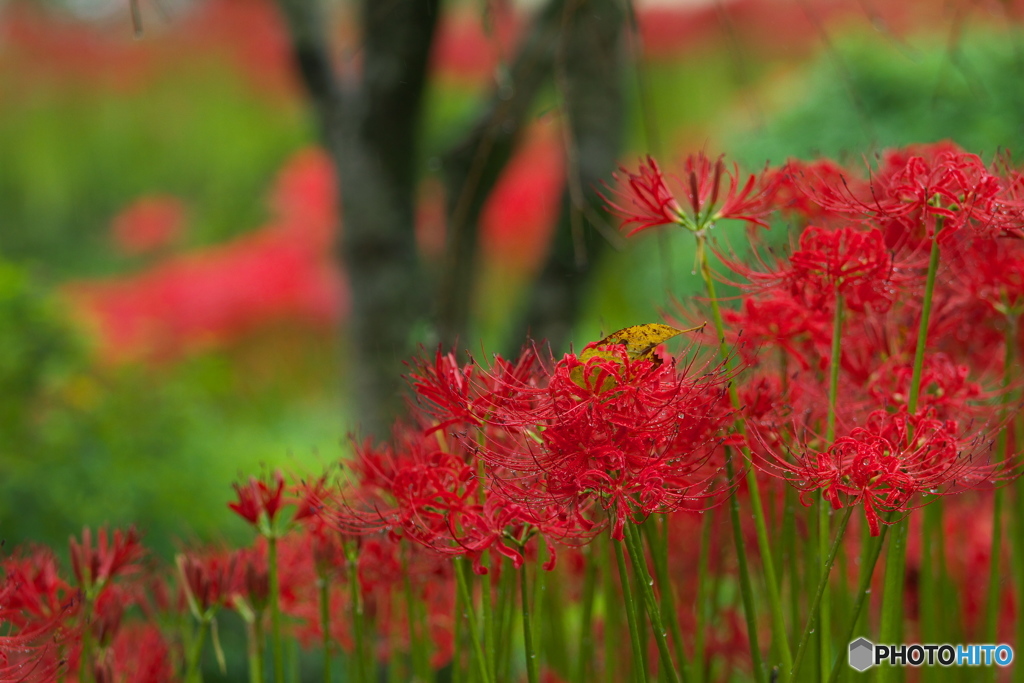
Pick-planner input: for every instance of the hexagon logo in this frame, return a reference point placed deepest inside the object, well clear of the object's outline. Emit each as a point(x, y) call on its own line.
point(862, 654)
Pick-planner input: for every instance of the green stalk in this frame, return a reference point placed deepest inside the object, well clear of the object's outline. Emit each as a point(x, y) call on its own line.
point(324, 595)
point(193, 674)
point(525, 600)
point(485, 585)
point(1002, 448)
point(506, 615)
point(702, 599)
point(475, 639)
point(774, 601)
point(356, 600)
point(815, 615)
point(420, 662)
point(275, 607)
point(896, 558)
point(791, 556)
point(85, 652)
point(457, 638)
point(867, 570)
point(639, 674)
point(922, 330)
point(658, 544)
point(585, 656)
point(824, 510)
point(636, 557)
point(612, 617)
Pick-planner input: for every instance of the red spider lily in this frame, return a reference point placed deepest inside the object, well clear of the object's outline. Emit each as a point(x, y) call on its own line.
point(888, 465)
point(138, 654)
point(647, 201)
point(210, 579)
point(260, 499)
point(453, 394)
point(925, 192)
point(95, 567)
point(944, 386)
point(35, 591)
point(795, 186)
point(650, 201)
point(775, 320)
point(432, 496)
point(30, 648)
point(633, 436)
point(849, 262)
point(989, 271)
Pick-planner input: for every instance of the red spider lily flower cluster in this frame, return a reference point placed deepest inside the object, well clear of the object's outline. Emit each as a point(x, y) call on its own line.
point(863, 241)
point(522, 449)
point(920, 193)
point(632, 436)
point(888, 465)
point(849, 262)
point(52, 630)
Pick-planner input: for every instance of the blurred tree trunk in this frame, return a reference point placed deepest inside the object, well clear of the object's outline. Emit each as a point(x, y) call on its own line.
point(589, 73)
point(581, 44)
point(473, 165)
point(369, 123)
point(370, 126)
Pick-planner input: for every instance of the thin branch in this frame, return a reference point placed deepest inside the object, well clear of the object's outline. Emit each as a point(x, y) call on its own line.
point(472, 167)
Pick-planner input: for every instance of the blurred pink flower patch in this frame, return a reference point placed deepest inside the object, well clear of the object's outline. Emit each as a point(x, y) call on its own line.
point(282, 272)
point(148, 225)
point(519, 217)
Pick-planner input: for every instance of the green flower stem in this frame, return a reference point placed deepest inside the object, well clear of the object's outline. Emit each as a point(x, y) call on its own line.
point(417, 653)
point(824, 511)
point(275, 607)
point(658, 543)
point(358, 623)
point(457, 673)
point(254, 631)
point(815, 614)
point(558, 655)
point(774, 601)
point(585, 657)
point(528, 640)
point(85, 673)
point(1017, 550)
point(896, 558)
point(636, 557)
point(922, 329)
point(487, 606)
point(639, 674)
point(193, 674)
point(506, 615)
point(867, 570)
point(1002, 448)
point(474, 631)
point(703, 598)
point(790, 561)
point(612, 616)
point(324, 596)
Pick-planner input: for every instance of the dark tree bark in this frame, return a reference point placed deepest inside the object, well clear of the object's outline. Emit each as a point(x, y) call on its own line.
point(589, 72)
point(370, 128)
point(369, 124)
point(472, 167)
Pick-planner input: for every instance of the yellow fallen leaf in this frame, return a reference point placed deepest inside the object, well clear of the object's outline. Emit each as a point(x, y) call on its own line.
point(640, 341)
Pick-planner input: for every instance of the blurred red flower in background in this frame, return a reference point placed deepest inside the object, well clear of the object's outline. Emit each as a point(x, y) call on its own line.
point(212, 296)
point(148, 225)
